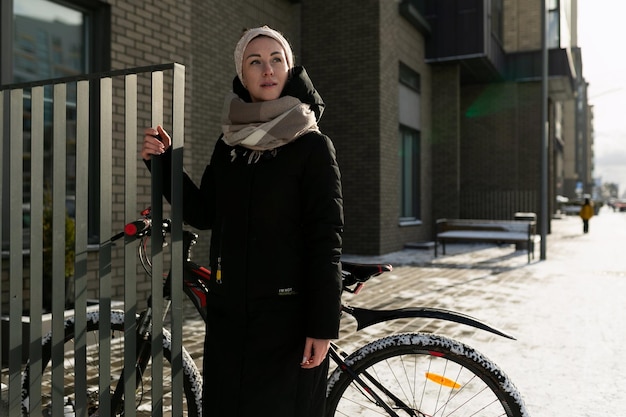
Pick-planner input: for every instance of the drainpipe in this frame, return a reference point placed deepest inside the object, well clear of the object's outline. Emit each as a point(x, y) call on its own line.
point(544, 130)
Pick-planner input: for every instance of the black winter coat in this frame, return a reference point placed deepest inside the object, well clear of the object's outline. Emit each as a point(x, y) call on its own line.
point(276, 276)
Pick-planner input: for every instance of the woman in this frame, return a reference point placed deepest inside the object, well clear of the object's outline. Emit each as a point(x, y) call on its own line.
point(272, 197)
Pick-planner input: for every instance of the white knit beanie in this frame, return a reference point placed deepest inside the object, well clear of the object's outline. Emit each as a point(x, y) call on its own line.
point(253, 33)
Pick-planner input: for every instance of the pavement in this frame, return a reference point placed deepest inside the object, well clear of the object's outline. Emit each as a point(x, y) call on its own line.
point(566, 311)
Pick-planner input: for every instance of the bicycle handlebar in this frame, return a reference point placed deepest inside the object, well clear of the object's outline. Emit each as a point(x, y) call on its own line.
point(138, 228)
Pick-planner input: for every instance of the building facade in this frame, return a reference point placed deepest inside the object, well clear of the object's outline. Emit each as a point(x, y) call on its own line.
point(496, 75)
point(434, 106)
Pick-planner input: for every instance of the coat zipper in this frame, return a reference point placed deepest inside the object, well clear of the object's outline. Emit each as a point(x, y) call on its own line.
point(218, 275)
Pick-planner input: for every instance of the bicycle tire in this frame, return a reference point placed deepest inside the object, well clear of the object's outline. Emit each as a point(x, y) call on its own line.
point(432, 375)
point(192, 379)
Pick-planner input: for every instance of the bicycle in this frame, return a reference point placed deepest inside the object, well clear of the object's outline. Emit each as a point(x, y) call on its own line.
point(194, 277)
point(413, 374)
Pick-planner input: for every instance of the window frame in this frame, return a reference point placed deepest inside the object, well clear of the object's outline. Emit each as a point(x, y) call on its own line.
point(497, 20)
point(410, 211)
point(97, 37)
point(98, 22)
point(554, 24)
point(409, 123)
point(409, 78)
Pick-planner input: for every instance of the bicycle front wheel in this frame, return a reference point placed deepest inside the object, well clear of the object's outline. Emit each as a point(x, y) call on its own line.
point(192, 380)
point(421, 375)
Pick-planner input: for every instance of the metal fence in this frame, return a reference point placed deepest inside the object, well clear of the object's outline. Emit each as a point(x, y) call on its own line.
point(106, 110)
point(497, 204)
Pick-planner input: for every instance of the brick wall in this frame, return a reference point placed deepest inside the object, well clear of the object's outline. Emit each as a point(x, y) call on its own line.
point(445, 141)
point(500, 149)
point(347, 75)
point(522, 27)
point(142, 33)
point(358, 79)
point(402, 43)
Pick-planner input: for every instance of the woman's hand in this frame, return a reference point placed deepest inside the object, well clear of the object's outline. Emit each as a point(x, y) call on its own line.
point(152, 145)
point(315, 351)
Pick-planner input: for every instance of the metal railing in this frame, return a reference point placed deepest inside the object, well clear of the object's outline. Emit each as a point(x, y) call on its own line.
point(497, 204)
point(36, 128)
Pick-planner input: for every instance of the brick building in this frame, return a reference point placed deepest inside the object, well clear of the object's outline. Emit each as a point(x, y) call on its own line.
point(434, 106)
point(494, 77)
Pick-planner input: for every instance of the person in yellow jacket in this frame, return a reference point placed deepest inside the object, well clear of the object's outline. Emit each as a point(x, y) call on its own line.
point(585, 213)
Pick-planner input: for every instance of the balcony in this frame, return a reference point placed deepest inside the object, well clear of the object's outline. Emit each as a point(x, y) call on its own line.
point(461, 32)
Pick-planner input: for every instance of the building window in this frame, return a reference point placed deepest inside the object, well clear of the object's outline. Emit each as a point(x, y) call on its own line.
point(554, 26)
point(56, 32)
point(52, 39)
point(409, 78)
point(496, 20)
point(48, 33)
point(409, 118)
point(410, 165)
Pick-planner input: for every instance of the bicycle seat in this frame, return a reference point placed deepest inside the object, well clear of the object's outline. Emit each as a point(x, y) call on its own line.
point(363, 272)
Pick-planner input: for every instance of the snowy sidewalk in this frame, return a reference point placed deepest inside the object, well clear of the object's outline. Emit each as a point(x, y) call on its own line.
point(566, 312)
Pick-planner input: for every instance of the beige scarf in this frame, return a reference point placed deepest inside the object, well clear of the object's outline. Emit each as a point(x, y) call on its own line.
point(265, 125)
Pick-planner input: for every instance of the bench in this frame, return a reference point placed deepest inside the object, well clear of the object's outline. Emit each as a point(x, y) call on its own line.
point(520, 232)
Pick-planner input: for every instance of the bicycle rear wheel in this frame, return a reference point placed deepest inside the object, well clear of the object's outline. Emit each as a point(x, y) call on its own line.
point(422, 375)
point(192, 380)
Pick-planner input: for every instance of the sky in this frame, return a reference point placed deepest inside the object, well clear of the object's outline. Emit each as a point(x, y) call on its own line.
point(601, 35)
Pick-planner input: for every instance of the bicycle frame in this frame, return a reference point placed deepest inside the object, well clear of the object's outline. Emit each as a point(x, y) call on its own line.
point(194, 278)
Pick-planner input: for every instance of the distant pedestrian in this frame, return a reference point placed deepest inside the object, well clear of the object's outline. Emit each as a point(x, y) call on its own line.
point(586, 213)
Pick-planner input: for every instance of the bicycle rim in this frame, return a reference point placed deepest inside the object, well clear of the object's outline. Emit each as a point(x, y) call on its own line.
point(143, 394)
point(423, 375)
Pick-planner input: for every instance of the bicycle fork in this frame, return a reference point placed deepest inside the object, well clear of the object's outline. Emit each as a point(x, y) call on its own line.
point(144, 352)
